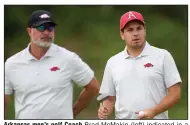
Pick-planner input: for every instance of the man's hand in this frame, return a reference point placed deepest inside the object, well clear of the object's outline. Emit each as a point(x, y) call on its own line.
point(148, 114)
point(174, 94)
point(103, 112)
point(7, 99)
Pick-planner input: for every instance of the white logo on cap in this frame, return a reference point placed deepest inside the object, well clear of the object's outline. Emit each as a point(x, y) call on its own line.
point(44, 16)
point(131, 14)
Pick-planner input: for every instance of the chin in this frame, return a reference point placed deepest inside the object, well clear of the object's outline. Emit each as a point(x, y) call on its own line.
point(43, 44)
point(137, 45)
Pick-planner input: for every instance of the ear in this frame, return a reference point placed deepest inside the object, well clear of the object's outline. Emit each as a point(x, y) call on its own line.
point(145, 29)
point(145, 33)
point(122, 35)
point(29, 30)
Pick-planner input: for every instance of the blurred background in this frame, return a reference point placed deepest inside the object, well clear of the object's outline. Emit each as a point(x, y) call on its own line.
point(93, 33)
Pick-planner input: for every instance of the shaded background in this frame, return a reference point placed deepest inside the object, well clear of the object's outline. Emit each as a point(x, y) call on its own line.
point(93, 33)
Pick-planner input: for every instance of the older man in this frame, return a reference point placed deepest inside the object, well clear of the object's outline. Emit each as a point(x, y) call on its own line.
point(41, 76)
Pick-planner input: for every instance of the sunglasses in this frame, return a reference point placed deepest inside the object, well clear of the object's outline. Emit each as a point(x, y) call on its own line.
point(42, 28)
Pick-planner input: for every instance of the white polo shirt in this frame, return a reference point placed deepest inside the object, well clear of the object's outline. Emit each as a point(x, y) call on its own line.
point(43, 89)
point(139, 83)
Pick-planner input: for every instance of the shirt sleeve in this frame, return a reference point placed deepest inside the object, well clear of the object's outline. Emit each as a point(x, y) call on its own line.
point(82, 73)
point(8, 84)
point(107, 86)
point(171, 74)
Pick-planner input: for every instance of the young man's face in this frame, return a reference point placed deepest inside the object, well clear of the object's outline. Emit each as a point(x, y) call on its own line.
point(134, 34)
point(43, 35)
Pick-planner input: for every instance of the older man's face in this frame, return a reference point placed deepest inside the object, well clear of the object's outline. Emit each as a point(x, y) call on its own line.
point(42, 35)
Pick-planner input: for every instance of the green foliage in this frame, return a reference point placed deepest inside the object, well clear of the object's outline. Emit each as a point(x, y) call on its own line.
point(93, 33)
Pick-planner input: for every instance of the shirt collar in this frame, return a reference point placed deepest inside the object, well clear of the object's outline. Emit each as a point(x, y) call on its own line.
point(49, 53)
point(145, 51)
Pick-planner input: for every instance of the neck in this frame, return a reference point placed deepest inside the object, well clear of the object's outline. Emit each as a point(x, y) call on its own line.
point(36, 51)
point(135, 51)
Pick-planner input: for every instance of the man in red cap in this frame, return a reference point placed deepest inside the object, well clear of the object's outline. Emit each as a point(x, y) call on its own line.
point(142, 81)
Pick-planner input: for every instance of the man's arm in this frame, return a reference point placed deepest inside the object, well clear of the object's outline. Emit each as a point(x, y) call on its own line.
point(174, 95)
point(7, 99)
point(86, 95)
point(106, 108)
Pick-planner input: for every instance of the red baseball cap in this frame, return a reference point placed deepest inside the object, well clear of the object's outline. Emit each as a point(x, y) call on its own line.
point(129, 16)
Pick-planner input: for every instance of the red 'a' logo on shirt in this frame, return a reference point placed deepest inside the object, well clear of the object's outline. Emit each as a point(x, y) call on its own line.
point(148, 65)
point(54, 68)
